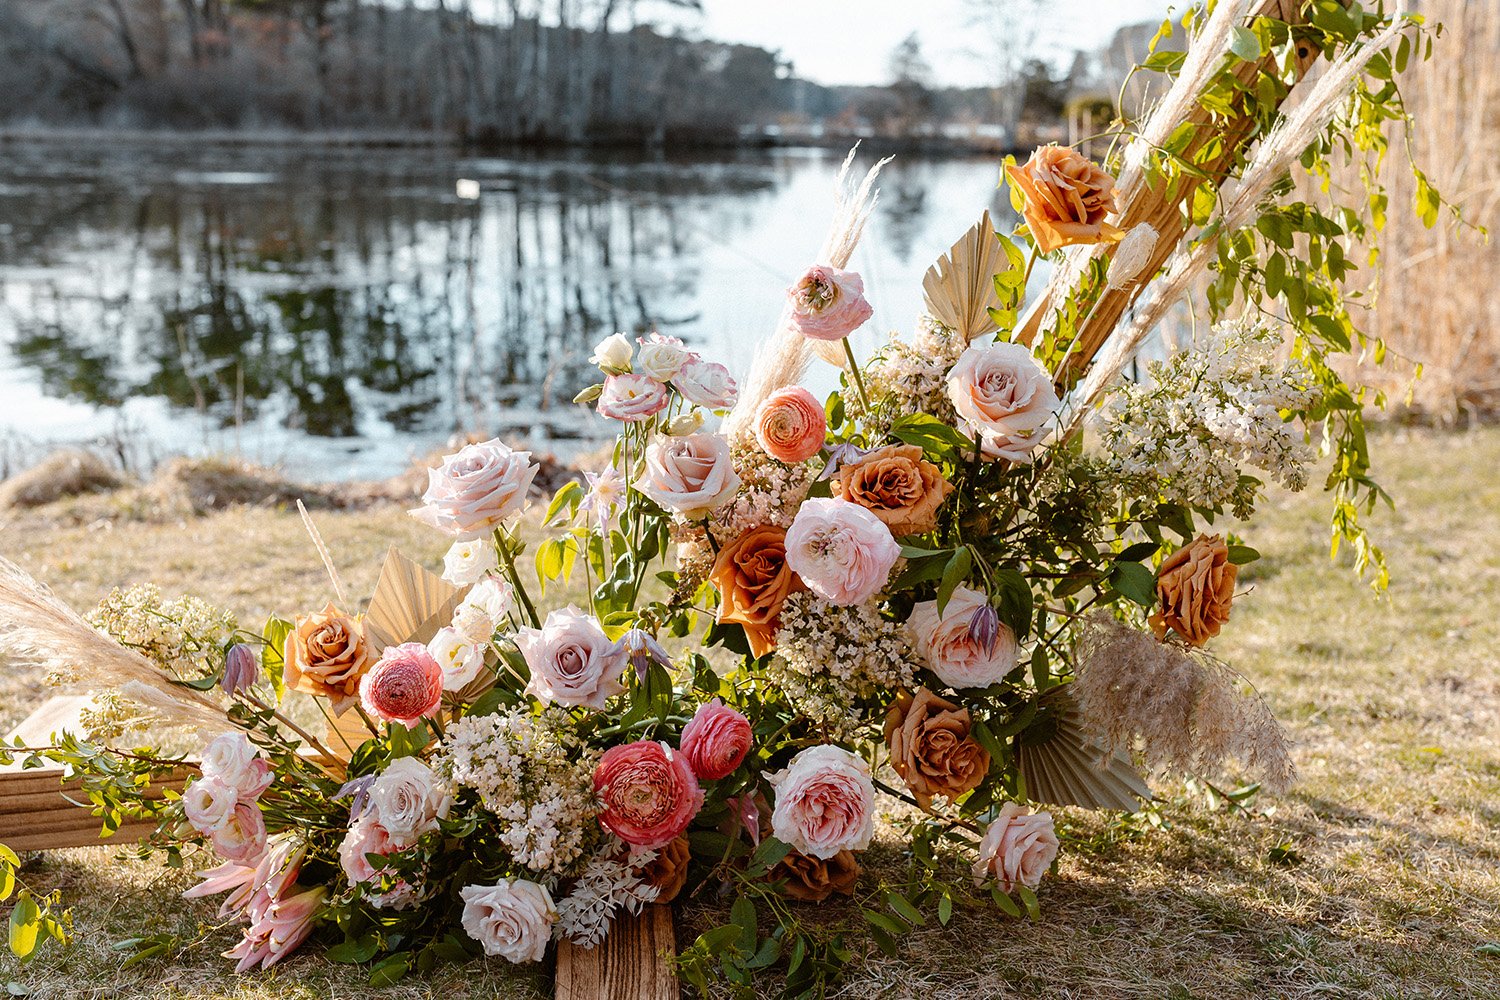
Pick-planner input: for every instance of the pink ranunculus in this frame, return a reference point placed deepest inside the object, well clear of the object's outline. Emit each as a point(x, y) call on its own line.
point(512, 918)
point(234, 760)
point(1017, 849)
point(572, 661)
point(827, 303)
point(404, 686)
point(278, 930)
point(632, 397)
point(475, 489)
point(208, 804)
point(840, 550)
point(825, 802)
point(791, 425)
point(715, 740)
point(960, 655)
point(649, 793)
point(692, 475)
point(242, 836)
point(707, 383)
point(1004, 399)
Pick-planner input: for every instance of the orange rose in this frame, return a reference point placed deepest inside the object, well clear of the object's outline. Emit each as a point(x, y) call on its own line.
point(668, 870)
point(1067, 197)
point(1195, 587)
point(813, 880)
point(931, 747)
point(896, 485)
point(326, 654)
point(753, 581)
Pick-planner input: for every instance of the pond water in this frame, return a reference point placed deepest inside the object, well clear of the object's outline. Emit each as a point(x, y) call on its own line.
point(340, 313)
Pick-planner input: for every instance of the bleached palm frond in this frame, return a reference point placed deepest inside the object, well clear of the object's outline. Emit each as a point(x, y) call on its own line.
point(40, 629)
point(959, 288)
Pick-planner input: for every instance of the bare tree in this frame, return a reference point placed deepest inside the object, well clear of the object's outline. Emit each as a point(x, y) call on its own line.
point(1009, 31)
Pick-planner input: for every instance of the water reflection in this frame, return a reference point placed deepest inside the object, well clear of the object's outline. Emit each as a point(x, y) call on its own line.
point(341, 313)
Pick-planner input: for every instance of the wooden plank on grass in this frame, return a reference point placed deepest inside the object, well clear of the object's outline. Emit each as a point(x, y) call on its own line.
point(631, 964)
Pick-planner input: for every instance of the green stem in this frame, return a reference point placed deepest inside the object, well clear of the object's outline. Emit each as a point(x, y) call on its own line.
point(502, 545)
point(859, 382)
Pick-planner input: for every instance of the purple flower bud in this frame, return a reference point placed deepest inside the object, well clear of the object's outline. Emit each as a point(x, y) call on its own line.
point(748, 812)
point(241, 669)
point(984, 627)
point(643, 651)
point(358, 792)
point(841, 454)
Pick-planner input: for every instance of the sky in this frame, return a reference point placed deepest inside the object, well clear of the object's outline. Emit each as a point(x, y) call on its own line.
point(850, 41)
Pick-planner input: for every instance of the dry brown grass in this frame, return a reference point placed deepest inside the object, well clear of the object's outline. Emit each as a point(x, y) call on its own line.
point(1388, 875)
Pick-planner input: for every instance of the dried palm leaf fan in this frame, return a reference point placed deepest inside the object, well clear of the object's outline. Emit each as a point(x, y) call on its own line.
point(410, 603)
point(959, 288)
point(1062, 766)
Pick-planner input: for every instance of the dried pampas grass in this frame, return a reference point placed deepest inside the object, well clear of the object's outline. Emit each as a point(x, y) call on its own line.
point(40, 629)
point(1181, 711)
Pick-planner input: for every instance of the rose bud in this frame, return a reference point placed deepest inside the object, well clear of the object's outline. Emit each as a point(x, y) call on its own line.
point(241, 670)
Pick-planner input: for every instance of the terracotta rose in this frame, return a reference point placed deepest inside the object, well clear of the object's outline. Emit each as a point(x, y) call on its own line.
point(754, 581)
point(1067, 198)
point(813, 880)
point(931, 747)
point(668, 870)
point(1195, 587)
point(327, 654)
point(896, 485)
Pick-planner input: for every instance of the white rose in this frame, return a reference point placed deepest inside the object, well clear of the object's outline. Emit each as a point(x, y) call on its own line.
point(408, 799)
point(512, 918)
point(572, 661)
point(950, 647)
point(461, 658)
point(466, 562)
point(660, 357)
point(208, 804)
point(691, 475)
point(485, 607)
point(234, 760)
point(825, 802)
point(613, 353)
point(1004, 399)
point(706, 383)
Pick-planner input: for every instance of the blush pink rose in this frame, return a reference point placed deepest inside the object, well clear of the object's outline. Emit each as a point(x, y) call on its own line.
point(715, 740)
point(366, 836)
point(476, 488)
point(242, 836)
point(512, 918)
point(234, 760)
point(648, 792)
point(572, 661)
point(404, 686)
point(632, 397)
point(827, 303)
point(791, 425)
point(961, 655)
point(692, 475)
point(707, 383)
point(1017, 849)
point(825, 802)
point(840, 550)
point(1004, 399)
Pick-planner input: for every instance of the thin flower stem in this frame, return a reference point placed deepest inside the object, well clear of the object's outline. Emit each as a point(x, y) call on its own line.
point(502, 545)
point(312, 740)
point(859, 382)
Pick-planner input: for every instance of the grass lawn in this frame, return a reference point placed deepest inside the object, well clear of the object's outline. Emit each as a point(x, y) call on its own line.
point(1377, 876)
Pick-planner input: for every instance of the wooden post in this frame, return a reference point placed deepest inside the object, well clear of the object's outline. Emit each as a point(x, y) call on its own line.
point(631, 964)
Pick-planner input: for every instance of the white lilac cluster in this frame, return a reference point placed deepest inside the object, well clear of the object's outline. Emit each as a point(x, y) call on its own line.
point(912, 377)
point(770, 492)
point(536, 776)
point(176, 635)
point(830, 657)
point(611, 880)
point(1207, 411)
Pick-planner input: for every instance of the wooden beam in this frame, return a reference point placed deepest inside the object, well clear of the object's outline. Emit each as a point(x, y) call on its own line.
point(631, 963)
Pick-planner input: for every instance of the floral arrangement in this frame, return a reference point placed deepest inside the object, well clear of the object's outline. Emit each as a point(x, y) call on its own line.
point(783, 619)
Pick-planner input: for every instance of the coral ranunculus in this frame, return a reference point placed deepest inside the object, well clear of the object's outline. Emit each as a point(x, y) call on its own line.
point(753, 581)
point(406, 685)
point(715, 740)
point(790, 425)
point(827, 303)
point(1067, 198)
point(1195, 588)
point(649, 793)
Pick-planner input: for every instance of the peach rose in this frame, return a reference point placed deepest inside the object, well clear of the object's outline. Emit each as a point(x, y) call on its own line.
point(691, 475)
point(1195, 587)
point(791, 425)
point(813, 880)
point(961, 655)
point(1067, 197)
point(1003, 398)
point(753, 581)
point(326, 654)
point(896, 485)
point(1017, 849)
point(827, 303)
point(931, 748)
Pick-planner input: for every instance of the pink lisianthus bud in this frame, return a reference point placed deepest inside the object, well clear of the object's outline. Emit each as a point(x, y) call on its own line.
point(241, 670)
point(827, 303)
point(748, 812)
